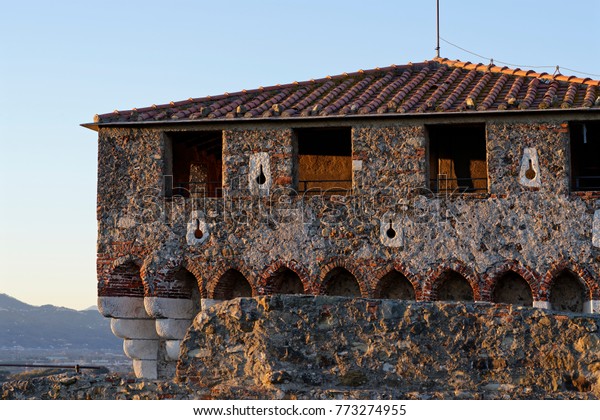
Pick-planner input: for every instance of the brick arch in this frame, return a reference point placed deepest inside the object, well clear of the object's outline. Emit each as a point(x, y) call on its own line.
point(292, 265)
point(490, 279)
point(586, 280)
point(222, 267)
point(430, 287)
point(195, 268)
point(400, 267)
point(135, 259)
point(321, 287)
point(114, 283)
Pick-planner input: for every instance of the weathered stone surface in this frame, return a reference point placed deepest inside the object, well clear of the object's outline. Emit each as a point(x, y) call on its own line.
point(298, 343)
point(134, 328)
point(538, 232)
point(172, 329)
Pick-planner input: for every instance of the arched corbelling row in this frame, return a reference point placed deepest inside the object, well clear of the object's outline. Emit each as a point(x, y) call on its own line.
point(400, 267)
point(336, 262)
point(586, 279)
point(490, 279)
point(265, 285)
point(222, 267)
point(431, 283)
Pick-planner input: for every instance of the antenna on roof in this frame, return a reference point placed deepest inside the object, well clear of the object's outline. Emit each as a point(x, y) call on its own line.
point(437, 48)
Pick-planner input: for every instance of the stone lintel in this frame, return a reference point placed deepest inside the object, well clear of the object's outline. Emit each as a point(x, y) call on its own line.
point(541, 304)
point(141, 349)
point(591, 307)
point(134, 328)
point(172, 329)
point(145, 369)
point(172, 347)
point(122, 307)
point(160, 307)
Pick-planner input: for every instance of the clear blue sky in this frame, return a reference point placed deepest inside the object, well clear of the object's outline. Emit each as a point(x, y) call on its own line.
point(62, 62)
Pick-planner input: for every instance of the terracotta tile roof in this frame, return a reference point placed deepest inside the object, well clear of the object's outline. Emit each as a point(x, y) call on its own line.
point(440, 85)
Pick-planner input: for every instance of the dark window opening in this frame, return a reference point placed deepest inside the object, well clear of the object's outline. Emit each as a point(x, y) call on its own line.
point(195, 165)
point(454, 287)
point(286, 282)
point(567, 292)
point(457, 158)
point(585, 156)
point(394, 285)
point(324, 160)
point(231, 285)
point(340, 282)
point(513, 289)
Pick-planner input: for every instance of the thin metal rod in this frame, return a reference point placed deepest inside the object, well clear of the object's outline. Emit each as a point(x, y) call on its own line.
point(437, 48)
point(35, 365)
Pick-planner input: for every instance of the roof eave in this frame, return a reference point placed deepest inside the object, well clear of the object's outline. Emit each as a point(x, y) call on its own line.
point(96, 126)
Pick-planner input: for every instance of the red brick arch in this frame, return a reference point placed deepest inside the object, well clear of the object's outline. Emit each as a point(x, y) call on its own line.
point(271, 269)
point(111, 282)
point(490, 279)
point(336, 262)
point(431, 284)
point(135, 259)
point(195, 268)
point(223, 266)
point(412, 277)
point(590, 286)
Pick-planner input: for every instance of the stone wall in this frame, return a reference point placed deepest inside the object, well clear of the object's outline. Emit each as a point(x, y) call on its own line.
point(531, 227)
point(312, 346)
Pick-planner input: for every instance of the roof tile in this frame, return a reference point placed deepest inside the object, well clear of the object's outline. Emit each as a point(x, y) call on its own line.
point(437, 86)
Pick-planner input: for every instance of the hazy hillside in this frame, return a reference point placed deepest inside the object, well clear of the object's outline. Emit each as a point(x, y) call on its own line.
point(49, 326)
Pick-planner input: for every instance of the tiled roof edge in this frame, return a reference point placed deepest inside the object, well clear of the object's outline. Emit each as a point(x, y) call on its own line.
point(516, 72)
point(435, 62)
point(260, 89)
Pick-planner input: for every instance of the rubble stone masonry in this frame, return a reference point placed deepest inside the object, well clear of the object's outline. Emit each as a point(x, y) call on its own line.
point(151, 271)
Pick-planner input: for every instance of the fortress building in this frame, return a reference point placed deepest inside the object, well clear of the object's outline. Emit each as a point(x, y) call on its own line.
point(440, 180)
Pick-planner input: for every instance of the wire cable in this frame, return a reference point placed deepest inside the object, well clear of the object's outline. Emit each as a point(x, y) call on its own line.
point(516, 65)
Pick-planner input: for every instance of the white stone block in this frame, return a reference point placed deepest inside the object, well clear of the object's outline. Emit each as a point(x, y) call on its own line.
point(208, 303)
point(529, 174)
point(591, 307)
point(172, 329)
point(122, 307)
point(145, 369)
point(197, 222)
point(596, 229)
point(357, 165)
point(159, 307)
point(259, 170)
point(540, 304)
point(134, 328)
point(390, 230)
point(141, 349)
point(172, 347)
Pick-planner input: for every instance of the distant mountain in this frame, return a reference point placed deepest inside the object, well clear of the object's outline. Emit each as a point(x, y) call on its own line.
point(52, 327)
point(9, 303)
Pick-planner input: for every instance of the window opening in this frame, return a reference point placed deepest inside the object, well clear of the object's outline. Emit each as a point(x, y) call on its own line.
point(457, 158)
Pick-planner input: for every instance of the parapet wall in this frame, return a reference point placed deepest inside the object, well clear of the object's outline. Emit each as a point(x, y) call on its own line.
point(319, 346)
